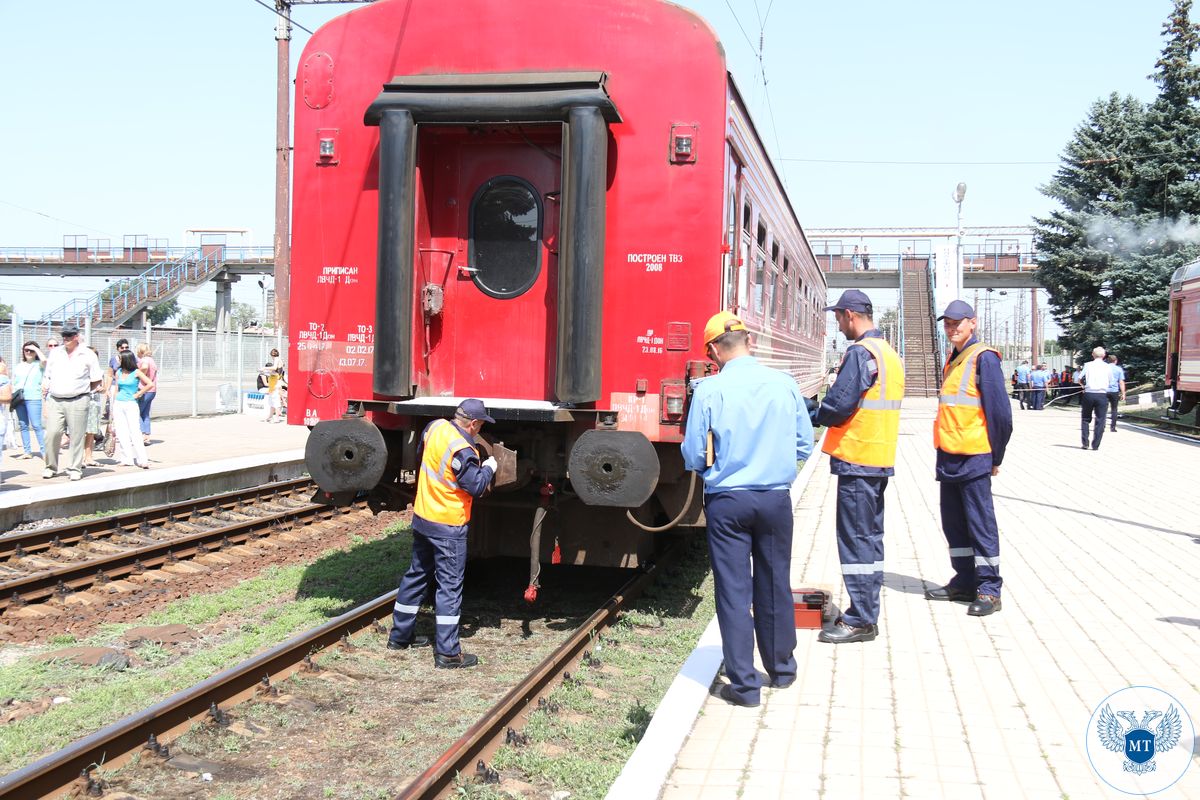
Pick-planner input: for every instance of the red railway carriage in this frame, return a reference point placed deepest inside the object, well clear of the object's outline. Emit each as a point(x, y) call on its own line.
point(1183, 338)
point(537, 203)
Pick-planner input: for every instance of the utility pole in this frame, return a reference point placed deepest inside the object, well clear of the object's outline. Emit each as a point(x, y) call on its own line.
point(1034, 342)
point(283, 244)
point(283, 153)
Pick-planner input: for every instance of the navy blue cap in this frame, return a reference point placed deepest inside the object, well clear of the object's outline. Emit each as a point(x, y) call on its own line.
point(958, 309)
point(474, 409)
point(70, 329)
point(851, 300)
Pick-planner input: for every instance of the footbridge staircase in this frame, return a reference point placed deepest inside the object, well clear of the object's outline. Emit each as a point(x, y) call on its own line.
point(121, 301)
point(922, 357)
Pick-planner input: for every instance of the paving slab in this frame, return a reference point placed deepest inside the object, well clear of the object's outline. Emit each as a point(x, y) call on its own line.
point(1099, 553)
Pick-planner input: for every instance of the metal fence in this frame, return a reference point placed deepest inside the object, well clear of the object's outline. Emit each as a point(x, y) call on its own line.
point(199, 372)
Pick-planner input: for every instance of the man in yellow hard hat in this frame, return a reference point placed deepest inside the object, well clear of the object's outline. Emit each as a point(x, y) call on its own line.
point(759, 428)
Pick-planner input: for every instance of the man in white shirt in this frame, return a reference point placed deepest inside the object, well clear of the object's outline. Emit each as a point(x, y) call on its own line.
point(72, 373)
point(1094, 377)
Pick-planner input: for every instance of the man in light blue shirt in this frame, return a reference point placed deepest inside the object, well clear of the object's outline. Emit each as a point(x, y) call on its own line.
point(747, 427)
point(1023, 371)
point(1038, 379)
point(1116, 389)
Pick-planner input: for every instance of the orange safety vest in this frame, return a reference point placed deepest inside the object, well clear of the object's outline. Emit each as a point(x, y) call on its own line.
point(438, 497)
point(868, 436)
point(961, 426)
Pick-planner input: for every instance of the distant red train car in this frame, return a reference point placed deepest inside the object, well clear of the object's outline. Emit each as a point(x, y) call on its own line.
point(1183, 338)
point(538, 203)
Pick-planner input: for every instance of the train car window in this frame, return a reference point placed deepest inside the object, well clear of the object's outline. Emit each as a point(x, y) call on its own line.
point(760, 265)
point(773, 290)
point(784, 294)
point(505, 232)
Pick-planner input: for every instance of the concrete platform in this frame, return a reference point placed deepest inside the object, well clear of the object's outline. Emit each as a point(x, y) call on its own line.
point(1100, 553)
point(189, 457)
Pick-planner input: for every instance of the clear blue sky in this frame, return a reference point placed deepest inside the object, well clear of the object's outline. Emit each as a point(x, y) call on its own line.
point(151, 117)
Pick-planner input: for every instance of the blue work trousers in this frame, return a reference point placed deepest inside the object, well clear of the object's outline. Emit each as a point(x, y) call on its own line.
point(1037, 398)
point(860, 545)
point(969, 523)
point(445, 560)
point(750, 543)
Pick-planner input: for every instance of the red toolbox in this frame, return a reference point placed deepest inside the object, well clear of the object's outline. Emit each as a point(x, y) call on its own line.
point(811, 607)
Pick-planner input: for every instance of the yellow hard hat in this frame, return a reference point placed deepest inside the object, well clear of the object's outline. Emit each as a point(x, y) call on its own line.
point(721, 323)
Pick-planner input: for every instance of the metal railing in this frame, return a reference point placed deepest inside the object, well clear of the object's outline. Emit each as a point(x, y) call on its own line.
point(892, 262)
point(117, 303)
point(110, 255)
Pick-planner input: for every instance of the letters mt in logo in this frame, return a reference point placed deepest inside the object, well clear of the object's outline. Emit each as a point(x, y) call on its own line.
point(1138, 742)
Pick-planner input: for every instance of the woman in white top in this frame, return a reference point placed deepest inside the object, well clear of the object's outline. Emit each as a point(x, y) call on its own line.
point(28, 378)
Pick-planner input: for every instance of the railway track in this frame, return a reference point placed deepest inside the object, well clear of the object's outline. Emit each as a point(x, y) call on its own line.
point(1175, 426)
point(150, 732)
point(61, 560)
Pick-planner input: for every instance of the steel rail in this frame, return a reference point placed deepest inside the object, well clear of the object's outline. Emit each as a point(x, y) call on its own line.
point(1136, 419)
point(71, 532)
point(115, 744)
point(482, 738)
point(75, 576)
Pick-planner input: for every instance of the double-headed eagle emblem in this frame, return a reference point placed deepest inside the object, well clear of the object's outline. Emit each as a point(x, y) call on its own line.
point(1138, 742)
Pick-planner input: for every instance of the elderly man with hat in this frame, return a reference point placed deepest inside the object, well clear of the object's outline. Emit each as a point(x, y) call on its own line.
point(450, 478)
point(747, 427)
point(862, 411)
point(974, 423)
point(72, 374)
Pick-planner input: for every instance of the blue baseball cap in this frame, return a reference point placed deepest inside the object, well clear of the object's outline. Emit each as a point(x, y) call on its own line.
point(851, 300)
point(474, 409)
point(958, 309)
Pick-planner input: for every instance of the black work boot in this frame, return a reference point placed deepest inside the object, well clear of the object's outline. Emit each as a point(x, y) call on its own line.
point(460, 661)
point(417, 641)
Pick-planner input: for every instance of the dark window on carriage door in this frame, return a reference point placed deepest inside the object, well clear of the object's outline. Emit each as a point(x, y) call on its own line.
point(505, 232)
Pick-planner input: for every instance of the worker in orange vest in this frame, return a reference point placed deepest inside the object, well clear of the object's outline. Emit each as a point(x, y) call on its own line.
point(973, 425)
point(449, 480)
point(862, 410)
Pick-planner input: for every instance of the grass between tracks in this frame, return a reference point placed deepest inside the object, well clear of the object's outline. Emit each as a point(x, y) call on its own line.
point(237, 623)
point(581, 747)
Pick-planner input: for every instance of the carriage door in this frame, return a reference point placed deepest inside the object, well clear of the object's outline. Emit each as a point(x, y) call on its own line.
point(488, 239)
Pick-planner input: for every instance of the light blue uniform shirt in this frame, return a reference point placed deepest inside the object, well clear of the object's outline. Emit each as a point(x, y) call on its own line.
point(760, 427)
point(1023, 373)
point(1116, 375)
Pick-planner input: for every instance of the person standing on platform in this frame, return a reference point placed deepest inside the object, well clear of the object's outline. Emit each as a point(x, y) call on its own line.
point(1116, 389)
point(971, 432)
point(1038, 380)
point(131, 384)
point(450, 478)
point(72, 374)
point(1094, 378)
point(1023, 371)
point(150, 369)
point(28, 378)
point(746, 429)
point(862, 411)
point(866, 259)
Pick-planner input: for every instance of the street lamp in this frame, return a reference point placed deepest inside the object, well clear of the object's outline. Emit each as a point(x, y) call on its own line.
point(262, 284)
point(960, 192)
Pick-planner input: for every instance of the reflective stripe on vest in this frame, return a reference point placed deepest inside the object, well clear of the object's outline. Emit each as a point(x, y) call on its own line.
point(438, 497)
point(961, 426)
point(868, 436)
